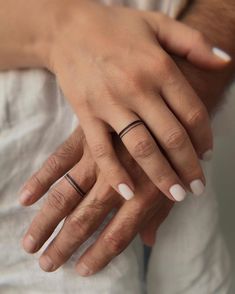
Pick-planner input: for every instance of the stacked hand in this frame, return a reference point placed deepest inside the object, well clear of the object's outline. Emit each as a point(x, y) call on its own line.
point(144, 213)
point(113, 67)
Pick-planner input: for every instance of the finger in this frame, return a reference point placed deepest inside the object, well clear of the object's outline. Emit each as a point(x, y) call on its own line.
point(149, 232)
point(143, 148)
point(80, 225)
point(119, 232)
point(186, 105)
point(64, 158)
point(100, 143)
point(187, 42)
point(62, 199)
point(174, 140)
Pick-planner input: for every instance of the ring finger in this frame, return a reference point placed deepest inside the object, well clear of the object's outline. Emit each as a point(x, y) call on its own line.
point(144, 149)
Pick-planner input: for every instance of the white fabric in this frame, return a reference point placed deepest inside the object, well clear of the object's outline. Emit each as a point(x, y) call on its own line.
point(189, 257)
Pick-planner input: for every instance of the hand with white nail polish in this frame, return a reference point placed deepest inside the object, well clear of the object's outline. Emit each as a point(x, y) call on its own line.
point(126, 51)
point(133, 78)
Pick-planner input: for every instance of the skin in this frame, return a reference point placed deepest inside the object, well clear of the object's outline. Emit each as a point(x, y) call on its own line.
point(132, 76)
point(84, 215)
point(31, 51)
point(209, 85)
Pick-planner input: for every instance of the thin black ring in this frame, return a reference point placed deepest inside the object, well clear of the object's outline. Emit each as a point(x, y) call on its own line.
point(74, 184)
point(130, 127)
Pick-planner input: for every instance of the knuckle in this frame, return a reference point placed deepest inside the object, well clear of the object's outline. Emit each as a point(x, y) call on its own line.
point(144, 148)
point(115, 244)
point(67, 150)
point(165, 64)
point(56, 200)
point(197, 118)
point(35, 183)
point(130, 79)
point(52, 164)
point(134, 81)
point(97, 205)
point(175, 139)
point(58, 252)
point(162, 177)
point(100, 151)
point(75, 225)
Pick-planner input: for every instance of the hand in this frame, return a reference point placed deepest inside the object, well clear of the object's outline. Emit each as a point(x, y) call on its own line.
point(144, 213)
point(113, 70)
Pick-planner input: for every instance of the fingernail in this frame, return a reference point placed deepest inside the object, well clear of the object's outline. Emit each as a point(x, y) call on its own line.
point(207, 156)
point(25, 195)
point(29, 244)
point(125, 191)
point(46, 263)
point(221, 54)
point(177, 192)
point(83, 270)
point(197, 187)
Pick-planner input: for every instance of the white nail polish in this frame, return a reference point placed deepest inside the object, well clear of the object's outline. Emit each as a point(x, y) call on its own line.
point(207, 156)
point(221, 54)
point(125, 191)
point(177, 192)
point(197, 187)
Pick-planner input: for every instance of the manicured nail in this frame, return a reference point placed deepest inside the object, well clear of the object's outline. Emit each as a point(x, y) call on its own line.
point(207, 156)
point(125, 191)
point(25, 195)
point(177, 192)
point(221, 54)
point(197, 187)
point(46, 263)
point(29, 244)
point(83, 270)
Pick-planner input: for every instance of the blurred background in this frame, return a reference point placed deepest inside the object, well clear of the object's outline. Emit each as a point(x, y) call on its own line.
point(224, 175)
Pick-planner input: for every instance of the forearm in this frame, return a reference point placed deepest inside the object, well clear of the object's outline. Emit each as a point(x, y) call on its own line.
point(216, 20)
point(24, 34)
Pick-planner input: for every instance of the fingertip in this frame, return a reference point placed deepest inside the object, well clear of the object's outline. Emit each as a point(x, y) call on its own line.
point(83, 270)
point(46, 264)
point(150, 239)
point(29, 244)
point(125, 191)
point(221, 55)
point(25, 197)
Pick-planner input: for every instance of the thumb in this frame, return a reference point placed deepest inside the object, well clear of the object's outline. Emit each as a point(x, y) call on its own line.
point(180, 39)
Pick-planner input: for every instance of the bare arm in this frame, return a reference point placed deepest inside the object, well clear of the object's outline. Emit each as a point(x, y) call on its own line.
point(216, 20)
point(24, 33)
